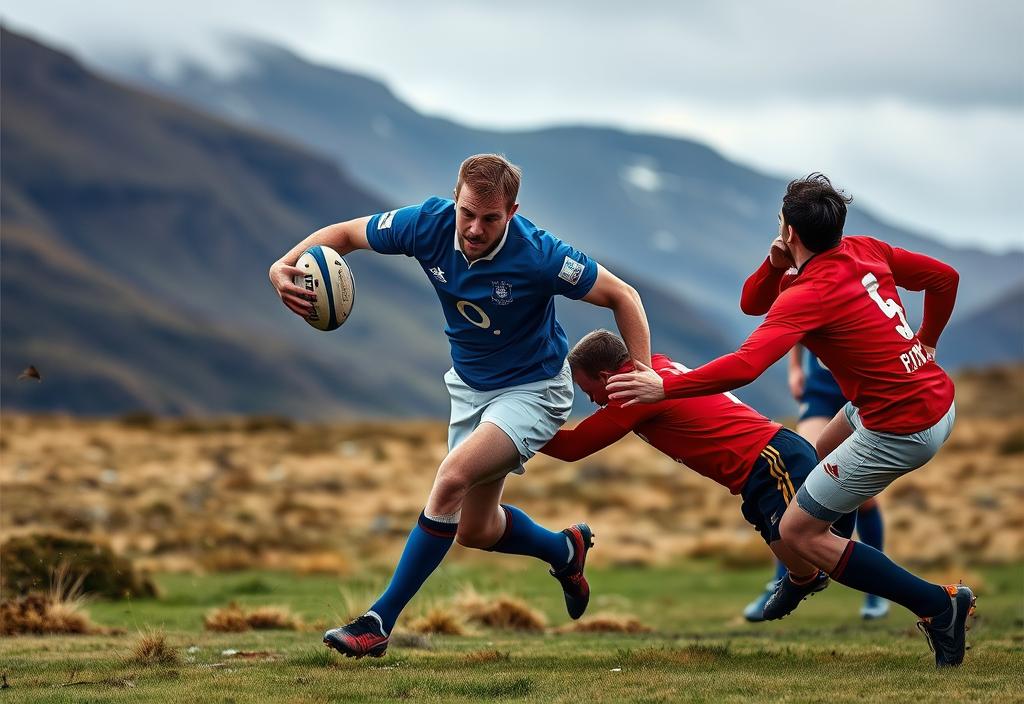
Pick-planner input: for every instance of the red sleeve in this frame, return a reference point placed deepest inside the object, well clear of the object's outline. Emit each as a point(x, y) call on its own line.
point(761, 289)
point(938, 280)
point(794, 313)
point(606, 426)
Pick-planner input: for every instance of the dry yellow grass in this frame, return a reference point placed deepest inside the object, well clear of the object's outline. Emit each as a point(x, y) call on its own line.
point(500, 611)
point(441, 622)
point(482, 656)
point(43, 614)
point(234, 619)
point(605, 623)
point(59, 610)
point(266, 493)
point(153, 649)
point(229, 619)
point(273, 617)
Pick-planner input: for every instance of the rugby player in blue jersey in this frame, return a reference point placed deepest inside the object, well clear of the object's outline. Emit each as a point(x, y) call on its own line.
point(496, 275)
point(820, 398)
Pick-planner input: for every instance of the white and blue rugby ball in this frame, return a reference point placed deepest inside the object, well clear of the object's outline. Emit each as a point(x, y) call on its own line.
point(325, 273)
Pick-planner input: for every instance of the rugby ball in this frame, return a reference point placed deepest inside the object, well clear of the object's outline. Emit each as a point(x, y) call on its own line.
point(325, 273)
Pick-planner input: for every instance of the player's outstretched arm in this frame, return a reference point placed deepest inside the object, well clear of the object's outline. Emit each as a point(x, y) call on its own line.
point(793, 314)
point(592, 434)
point(609, 291)
point(342, 237)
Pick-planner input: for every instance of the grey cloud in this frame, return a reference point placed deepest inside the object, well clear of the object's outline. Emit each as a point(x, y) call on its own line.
point(948, 53)
point(939, 53)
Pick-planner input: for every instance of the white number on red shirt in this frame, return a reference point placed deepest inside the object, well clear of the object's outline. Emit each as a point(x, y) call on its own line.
point(890, 307)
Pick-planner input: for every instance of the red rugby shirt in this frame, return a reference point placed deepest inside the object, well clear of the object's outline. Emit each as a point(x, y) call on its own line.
point(843, 306)
point(717, 436)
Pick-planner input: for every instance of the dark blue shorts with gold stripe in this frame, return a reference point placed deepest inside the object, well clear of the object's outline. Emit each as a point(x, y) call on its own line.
point(778, 473)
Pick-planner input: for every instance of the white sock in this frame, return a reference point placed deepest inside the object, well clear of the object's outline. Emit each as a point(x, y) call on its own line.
point(445, 517)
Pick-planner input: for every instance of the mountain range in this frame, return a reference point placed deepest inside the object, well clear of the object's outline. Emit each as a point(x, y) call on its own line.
point(140, 216)
point(137, 236)
point(671, 210)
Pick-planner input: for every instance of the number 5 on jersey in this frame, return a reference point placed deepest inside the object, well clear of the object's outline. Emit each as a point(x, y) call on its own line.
point(890, 307)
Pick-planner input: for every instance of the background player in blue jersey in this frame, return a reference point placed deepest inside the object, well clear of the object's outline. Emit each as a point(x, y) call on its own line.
point(820, 398)
point(495, 274)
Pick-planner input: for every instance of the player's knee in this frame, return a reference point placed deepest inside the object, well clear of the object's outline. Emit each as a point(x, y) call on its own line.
point(471, 538)
point(791, 530)
point(451, 484)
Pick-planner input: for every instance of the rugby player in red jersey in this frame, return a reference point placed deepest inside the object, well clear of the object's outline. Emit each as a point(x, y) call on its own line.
point(842, 304)
point(717, 436)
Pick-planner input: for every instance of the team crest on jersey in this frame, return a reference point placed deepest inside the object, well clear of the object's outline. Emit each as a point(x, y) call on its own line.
point(501, 293)
point(571, 271)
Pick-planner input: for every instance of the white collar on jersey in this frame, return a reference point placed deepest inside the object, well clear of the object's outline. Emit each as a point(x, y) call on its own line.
point(487, 258)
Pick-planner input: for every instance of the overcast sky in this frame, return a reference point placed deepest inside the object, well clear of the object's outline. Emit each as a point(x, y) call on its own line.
point(916, 107)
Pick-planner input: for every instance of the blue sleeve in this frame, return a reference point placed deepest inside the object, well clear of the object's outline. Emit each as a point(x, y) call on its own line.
point(571, 272)
point(394, 232)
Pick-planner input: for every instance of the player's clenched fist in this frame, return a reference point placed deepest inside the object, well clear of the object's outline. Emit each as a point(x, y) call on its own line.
point(779, 255)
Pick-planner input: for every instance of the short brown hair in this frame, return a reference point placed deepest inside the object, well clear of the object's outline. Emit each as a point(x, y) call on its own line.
point(598, 351)
point(490, 175)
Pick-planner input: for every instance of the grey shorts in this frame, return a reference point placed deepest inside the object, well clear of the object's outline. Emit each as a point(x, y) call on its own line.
point(530, 414)
point(865, 463)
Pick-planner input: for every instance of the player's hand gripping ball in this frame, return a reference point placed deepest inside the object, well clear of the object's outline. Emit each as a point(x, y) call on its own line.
point(325, 273)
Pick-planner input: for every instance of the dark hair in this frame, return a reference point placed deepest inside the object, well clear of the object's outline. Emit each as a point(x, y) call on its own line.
point(598, 351)
point(816, 210)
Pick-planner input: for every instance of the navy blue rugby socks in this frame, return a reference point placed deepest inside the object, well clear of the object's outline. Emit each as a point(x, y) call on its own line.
point(524, 537)
point(863, 568)
point(426, 546)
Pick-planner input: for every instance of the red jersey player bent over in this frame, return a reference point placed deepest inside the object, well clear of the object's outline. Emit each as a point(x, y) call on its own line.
point(717, 436)
point(842, 304)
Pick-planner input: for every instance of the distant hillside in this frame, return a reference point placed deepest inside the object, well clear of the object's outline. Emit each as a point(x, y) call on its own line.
point(137, 236)
point(672, 211)
point(993, 334)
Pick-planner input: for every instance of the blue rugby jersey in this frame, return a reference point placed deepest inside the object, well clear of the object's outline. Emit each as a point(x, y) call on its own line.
point(499, 310)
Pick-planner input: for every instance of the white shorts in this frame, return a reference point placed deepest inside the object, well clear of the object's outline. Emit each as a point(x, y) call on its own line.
point(530, 414)
point(865, 463)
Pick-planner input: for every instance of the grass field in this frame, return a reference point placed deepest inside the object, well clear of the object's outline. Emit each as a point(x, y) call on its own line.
point(699, 649)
